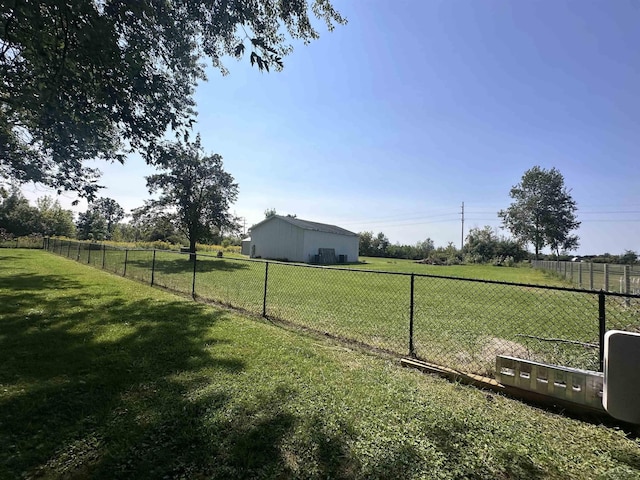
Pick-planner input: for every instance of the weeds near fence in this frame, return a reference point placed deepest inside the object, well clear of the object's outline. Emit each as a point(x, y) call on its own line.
point(30, 241)
point(459, 323)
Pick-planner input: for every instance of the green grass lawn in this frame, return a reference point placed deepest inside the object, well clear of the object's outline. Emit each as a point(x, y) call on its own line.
point(102, 377)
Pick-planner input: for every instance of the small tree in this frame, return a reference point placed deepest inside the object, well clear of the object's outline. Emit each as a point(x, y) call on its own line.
point(17, 217)
point(424, 249)
point(111, 211)
point(481, 244)
point(365, 243)
point(91, 226)
point(629, 257)
point(543, 211)
point(195, 190)
point(151, 224)
point(55, 220)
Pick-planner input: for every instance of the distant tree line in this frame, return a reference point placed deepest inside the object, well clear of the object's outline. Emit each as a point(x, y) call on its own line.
point(372, 245)
point(103, 220)
point(18, 218)
point(629, 257)
point(483, 245)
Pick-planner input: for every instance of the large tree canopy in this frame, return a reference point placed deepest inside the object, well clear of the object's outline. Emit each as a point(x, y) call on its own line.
point(543, 212)
point(95, 79)
point(194, 190)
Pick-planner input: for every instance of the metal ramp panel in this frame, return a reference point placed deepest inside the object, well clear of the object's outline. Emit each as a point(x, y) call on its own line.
point(583, 387)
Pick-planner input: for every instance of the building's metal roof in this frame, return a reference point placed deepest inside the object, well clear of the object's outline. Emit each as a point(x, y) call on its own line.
point(307, 225)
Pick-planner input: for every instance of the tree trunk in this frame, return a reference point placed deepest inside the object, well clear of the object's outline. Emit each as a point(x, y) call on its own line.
point(192, 249)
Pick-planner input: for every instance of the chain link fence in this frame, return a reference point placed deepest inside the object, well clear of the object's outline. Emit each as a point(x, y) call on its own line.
point(458, 323)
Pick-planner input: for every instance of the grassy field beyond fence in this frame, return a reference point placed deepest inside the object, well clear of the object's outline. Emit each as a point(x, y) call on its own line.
point(457, 322)
point(102, 377)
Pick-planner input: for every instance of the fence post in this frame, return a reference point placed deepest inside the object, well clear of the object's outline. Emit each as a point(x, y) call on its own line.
point(264, 297)
point(126, 256)
point(627, 284)
point(602, 323)
point(193, 283)
point(69, 250)
point(590, 275)
point(89, 254)
point(580, 275)
point(153, 267)
point(412, 350)
point(606, 277)
point(571, 272)
point(104, 251)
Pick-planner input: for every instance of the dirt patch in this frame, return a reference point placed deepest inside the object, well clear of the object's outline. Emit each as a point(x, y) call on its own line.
point(482, 360)
point(501, 346)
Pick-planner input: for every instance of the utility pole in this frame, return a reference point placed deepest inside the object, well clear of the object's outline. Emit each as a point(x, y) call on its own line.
point(462, 235)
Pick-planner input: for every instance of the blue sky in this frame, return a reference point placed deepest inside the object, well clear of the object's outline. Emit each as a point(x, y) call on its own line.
point(391, 122)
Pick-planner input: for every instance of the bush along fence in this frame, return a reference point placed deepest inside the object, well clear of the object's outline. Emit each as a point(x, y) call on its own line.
point(458, 323)
point(605, 276)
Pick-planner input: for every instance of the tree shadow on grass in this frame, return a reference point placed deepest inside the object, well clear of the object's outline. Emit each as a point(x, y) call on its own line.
point(31, 281)
point(182, 265)
point(7, 257)
point(72, 368)
point(119, 388)
point(455, 439)
point(631, 458)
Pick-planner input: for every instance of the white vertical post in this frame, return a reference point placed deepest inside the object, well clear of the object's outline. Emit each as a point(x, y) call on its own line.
point(580, 275)
point(627, 284)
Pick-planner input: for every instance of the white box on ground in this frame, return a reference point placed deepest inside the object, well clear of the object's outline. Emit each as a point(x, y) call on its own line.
point(621, 387)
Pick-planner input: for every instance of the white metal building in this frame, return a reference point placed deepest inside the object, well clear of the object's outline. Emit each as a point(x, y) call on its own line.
point(296, 240)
